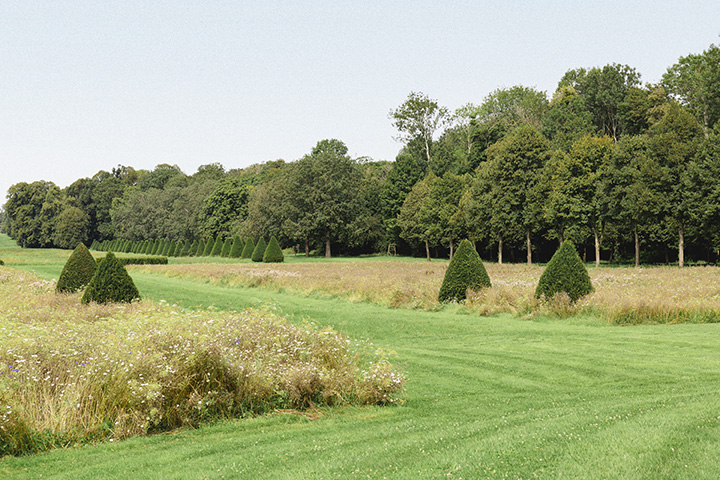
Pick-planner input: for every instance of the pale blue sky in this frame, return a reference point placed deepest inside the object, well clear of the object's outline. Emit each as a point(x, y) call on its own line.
point(87, 85)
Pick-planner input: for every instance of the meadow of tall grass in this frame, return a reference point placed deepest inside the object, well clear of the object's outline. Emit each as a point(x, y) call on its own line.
point(75, 373)
point(622, 295)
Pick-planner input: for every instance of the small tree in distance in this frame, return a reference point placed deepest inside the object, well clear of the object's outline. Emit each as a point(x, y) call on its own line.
point(273, 252)
point(257, 255)
point(565, 272)
point(466, 270)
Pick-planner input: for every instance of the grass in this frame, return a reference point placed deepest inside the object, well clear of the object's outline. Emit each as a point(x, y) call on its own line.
point(487, 397)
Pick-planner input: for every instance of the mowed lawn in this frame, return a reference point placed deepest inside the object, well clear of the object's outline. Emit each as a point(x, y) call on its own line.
point(487, 397)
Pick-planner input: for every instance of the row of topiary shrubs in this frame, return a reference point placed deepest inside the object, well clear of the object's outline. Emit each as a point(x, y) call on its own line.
point(228, 248)
point(104, 281)
point(565, 272)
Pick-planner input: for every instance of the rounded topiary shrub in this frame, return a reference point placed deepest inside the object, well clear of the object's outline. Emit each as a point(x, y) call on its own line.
point(111, 283)
point(78, 270)
point(259, 251)
point(273, 252)
point(565, 272)
point(248, 249)
point(466, 270)
point(236, 248)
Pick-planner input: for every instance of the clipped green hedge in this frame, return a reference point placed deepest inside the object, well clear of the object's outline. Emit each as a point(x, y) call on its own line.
point(565, 272)
point(259, 251)
point(273, 252)
point(78, 271)
point(140, 260)
point(466, 270)
point(111, 283)
point(236, 248)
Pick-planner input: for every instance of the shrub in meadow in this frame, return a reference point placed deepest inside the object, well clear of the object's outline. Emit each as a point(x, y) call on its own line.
point(217, 248)
point(226, 247)
point(2, 263)
point(273, 252)
point(565, 272)
point(200, 248)
point(111, 283)
point(192, 249)
point(248, 249)
point(465, 271)
point(209, 245)
point(236, 248)
point(78, 271)
point(257, 255)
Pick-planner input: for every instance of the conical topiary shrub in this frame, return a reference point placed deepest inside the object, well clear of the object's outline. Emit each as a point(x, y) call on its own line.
point(273, 252)
point(111, 283)
point(466, 270)
point(248, 249)
point(78, 270)
point(565, 272)
point(226, 247)
point(217, 248)
point(259, 251)
point(209, 247)
point(236, 248)
point(200, 248)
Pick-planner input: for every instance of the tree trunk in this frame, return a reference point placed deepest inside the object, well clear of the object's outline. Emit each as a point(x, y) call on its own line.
point(681, 247)
point(529, 247)
point(500, 251)
point(597, 247)
point(307, 247)
point(451, 247)
point(637, 246)
point(427, 249)
point(327, 248)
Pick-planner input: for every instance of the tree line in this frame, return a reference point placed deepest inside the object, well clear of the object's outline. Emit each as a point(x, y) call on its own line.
point(626, 170)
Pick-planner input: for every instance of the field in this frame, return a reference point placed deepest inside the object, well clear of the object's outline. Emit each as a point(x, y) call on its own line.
point(523, 393)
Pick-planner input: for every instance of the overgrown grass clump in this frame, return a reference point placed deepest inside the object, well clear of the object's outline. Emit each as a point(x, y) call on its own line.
point(75, 373)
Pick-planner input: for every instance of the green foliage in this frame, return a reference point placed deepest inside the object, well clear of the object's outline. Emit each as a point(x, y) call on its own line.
point(192, 250)
point(257, 255)
point(565, 272)
point(200, 248)
point(111, 283)
point(236, 248)
point(209, 247)
point(248, 249)
point(78, 270)
point(217, 248)
point(141, 260)
point(2, 263)
point(273, 252)
point(465, 271)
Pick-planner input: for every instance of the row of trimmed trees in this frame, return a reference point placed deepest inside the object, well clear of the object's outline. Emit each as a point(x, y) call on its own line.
point(228, 248)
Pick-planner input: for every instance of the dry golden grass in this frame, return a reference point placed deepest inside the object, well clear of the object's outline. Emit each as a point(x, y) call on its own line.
point(622, 295)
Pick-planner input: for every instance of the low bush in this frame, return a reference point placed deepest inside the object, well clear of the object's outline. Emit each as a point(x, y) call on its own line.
point(257, 255)
point(78, 270)
point(565, 272)
point(248, 249)
point(111, 283)
point(465, 271)
point(75, 373)
point(236, 248)
point(273, 252)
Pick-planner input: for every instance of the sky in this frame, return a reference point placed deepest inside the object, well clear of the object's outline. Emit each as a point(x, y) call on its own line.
point(88, 85)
